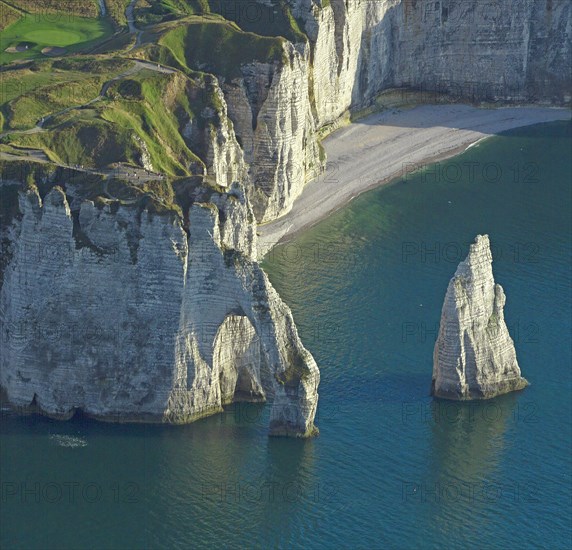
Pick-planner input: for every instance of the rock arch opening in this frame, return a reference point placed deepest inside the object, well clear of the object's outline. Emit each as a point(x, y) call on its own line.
point(237, 357)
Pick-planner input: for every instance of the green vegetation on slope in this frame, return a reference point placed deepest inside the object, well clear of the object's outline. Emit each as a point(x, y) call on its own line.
point(220, 47)
point(142, 117)
point(28, 109)
point(44, 87)
point(82, 140)
point(167, 120)
point(116, 10)
point(153, 106)
point(27, 37)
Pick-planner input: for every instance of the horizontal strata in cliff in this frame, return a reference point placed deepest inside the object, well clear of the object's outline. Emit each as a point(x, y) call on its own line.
point(511, 51)
point(128, 313)
point(515, 50)
point(474, 355)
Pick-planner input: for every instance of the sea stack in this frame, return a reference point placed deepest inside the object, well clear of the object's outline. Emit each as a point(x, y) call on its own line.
point(474, 356)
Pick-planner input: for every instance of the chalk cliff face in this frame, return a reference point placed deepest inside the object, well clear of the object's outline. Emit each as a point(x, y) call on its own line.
point(510, 50)
point(271, 111)
point(118, 312)
point(518, 51)
point(474, 355)
point(130, 314)
point(224, 156)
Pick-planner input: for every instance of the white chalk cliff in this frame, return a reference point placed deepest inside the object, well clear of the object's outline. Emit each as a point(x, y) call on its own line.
point(117, 311)
point(130, 312)
point(474, 356)
point(515, 50)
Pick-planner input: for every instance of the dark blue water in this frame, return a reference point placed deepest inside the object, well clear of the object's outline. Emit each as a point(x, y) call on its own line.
point(391, 468)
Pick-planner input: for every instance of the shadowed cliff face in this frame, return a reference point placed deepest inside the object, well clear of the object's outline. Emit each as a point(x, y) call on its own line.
point(123, 315)
point(489, 50)
point(474, 51)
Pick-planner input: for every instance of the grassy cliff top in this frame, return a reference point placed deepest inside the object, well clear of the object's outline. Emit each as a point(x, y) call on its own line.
point(64, 101)
point(219, 47)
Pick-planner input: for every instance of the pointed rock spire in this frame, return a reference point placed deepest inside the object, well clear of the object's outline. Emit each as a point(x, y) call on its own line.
point(474, 356)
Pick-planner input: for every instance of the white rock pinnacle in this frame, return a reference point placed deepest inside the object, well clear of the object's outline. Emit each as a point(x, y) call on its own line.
point(474, 356)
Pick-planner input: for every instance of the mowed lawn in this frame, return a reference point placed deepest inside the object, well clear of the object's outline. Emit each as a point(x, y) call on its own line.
point(59, 30)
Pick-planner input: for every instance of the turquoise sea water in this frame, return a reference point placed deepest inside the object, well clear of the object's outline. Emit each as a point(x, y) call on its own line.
point(391, 468)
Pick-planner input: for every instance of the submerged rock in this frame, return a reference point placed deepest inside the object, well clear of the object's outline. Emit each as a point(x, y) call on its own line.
point(474, 356)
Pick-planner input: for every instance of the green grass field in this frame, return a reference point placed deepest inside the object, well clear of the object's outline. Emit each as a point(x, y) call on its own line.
point(27, 95)
point(70, 32)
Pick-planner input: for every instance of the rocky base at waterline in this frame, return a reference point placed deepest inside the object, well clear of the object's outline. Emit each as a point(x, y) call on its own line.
point(474, 356)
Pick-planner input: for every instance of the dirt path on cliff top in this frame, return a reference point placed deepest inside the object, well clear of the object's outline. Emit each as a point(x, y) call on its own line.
point(130, 16)
point(384, 146)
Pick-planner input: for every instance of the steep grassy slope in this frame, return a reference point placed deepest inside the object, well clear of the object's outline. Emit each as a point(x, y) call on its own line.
point(45, 87)
point(84, 140)
point(141, 121)
point(156, 107)
point(219, 47)
point(116, 10)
